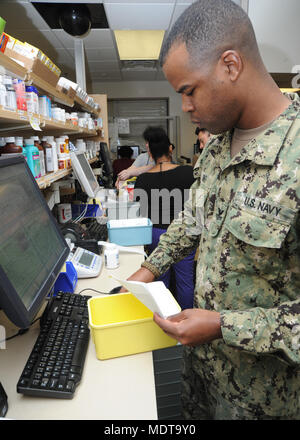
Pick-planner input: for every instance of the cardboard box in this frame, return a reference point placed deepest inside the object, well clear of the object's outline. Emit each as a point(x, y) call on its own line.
point(71, 93)
point(33, 65)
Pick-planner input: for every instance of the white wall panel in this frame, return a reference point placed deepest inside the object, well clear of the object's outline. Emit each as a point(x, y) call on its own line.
point(276, 24)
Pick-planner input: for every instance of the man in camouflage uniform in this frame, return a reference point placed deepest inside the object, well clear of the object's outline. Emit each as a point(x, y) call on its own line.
point(242, 337)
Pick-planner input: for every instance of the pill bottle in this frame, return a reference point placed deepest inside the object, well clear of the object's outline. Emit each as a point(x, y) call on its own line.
point(19, 86)
point(52, 142)
point(62, 161)
point(11, 100)
point(11, 147)
point(74, 118)
point(48, 155)
point(111, 257)
point(3, 94)
point(33, 158)
point(41, 154)
point(32, 99)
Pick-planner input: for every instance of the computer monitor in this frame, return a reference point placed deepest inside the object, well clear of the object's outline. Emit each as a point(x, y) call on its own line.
point(135, 149)
point(84, 174)
point(32, 248)
point(106, 159)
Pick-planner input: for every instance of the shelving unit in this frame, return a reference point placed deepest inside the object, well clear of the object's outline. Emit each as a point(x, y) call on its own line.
point(18, 122)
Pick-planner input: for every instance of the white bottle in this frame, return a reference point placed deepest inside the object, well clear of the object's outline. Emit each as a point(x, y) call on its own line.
point(11, 100)
point(52, 142)
point(111, 256)
point(3, 94)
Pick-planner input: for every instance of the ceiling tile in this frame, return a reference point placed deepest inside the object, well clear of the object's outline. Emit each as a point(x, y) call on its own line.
point(103, 76)
point(97, 38)
point(101, 54)
point(139, 16)
point(138, 76)
point(99, 66)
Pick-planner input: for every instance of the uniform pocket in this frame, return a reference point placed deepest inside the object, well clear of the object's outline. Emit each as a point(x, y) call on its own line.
point(256, 230)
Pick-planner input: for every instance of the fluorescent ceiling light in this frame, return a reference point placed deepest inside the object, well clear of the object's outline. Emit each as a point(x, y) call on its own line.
point(139, 45)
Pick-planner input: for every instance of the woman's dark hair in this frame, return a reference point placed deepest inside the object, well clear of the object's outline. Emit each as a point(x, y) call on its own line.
point(158, 140)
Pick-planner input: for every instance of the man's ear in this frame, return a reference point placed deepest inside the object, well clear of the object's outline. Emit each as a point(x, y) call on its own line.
point(232, 63)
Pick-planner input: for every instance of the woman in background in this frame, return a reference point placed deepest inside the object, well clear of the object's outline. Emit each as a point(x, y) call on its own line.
point(166, 186)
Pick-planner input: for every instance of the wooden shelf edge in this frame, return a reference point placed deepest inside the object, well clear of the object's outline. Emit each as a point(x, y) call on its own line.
point(12, 66)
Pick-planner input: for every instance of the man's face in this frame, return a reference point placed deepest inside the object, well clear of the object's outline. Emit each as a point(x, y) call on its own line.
point(203, 137)
point(207, 93)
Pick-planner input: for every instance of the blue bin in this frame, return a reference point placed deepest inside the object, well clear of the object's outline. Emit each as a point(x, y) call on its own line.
point(121, 232)
point(66, 281)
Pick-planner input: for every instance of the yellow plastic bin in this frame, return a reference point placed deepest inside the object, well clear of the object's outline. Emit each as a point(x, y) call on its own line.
point(121, 325)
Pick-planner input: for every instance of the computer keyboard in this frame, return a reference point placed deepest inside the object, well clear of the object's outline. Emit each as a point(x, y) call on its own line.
point(55, 365)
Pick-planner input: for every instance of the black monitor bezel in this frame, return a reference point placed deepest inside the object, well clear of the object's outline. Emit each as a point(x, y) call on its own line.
point(10, 301)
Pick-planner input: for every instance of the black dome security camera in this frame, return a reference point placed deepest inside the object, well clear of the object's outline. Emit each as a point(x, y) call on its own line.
point(75, 20)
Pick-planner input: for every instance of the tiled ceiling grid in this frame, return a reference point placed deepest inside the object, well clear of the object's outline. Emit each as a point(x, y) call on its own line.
point(102, 60)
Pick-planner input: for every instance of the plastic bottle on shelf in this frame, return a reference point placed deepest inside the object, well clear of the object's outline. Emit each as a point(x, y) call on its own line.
point(19, 143)
point(41, 154)
point(11, 147)
point(33, 158)
point(67, 149)
point(3, 94)
point(32, 99)
point(2, 144)
point(60, 145)
point(19, 86)
point(62, 161)
point(48, 154)
point(52, 142)
point(74, 118)
point(11, 101)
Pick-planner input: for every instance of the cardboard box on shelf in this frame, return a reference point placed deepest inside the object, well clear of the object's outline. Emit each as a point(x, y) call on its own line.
point(33, 65)
point(71, 93)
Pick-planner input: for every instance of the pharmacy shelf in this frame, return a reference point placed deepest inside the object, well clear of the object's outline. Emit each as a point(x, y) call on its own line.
point(50, 90)
point(87, 107)
point(10, 67)
point(46, 181)
point(20, 121)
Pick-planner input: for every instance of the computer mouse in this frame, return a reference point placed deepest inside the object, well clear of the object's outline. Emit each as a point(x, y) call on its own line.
point(115, 290)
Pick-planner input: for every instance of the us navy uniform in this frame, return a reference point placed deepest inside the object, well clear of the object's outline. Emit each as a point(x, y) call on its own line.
point(243, 214)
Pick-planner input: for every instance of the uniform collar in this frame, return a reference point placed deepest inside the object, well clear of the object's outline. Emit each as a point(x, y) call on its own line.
point(263, 150)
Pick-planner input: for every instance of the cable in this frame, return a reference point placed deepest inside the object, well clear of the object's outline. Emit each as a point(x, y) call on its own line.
point(94, 290)
point(22, 331)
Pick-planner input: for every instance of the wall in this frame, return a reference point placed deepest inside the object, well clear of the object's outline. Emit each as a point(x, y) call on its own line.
point(152, 89)
point(276, 25)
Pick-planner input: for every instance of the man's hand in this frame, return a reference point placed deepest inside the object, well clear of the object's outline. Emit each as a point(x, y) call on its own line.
point(191, 326)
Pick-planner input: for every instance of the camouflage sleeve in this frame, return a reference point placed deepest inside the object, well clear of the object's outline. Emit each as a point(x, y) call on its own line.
point(265, 331)
point(182, 236)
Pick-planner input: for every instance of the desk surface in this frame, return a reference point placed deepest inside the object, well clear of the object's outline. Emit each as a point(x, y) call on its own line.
point(116, 389)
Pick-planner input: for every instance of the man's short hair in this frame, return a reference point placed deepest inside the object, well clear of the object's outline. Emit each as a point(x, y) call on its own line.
point(210, 27)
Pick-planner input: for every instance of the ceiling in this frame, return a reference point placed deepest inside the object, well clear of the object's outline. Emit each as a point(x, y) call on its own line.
point(102, 60)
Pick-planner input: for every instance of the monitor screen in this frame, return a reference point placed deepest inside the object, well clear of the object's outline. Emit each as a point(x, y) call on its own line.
point(84, 174)
point(106, 159)
point(135, 149)
point(32, 248)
